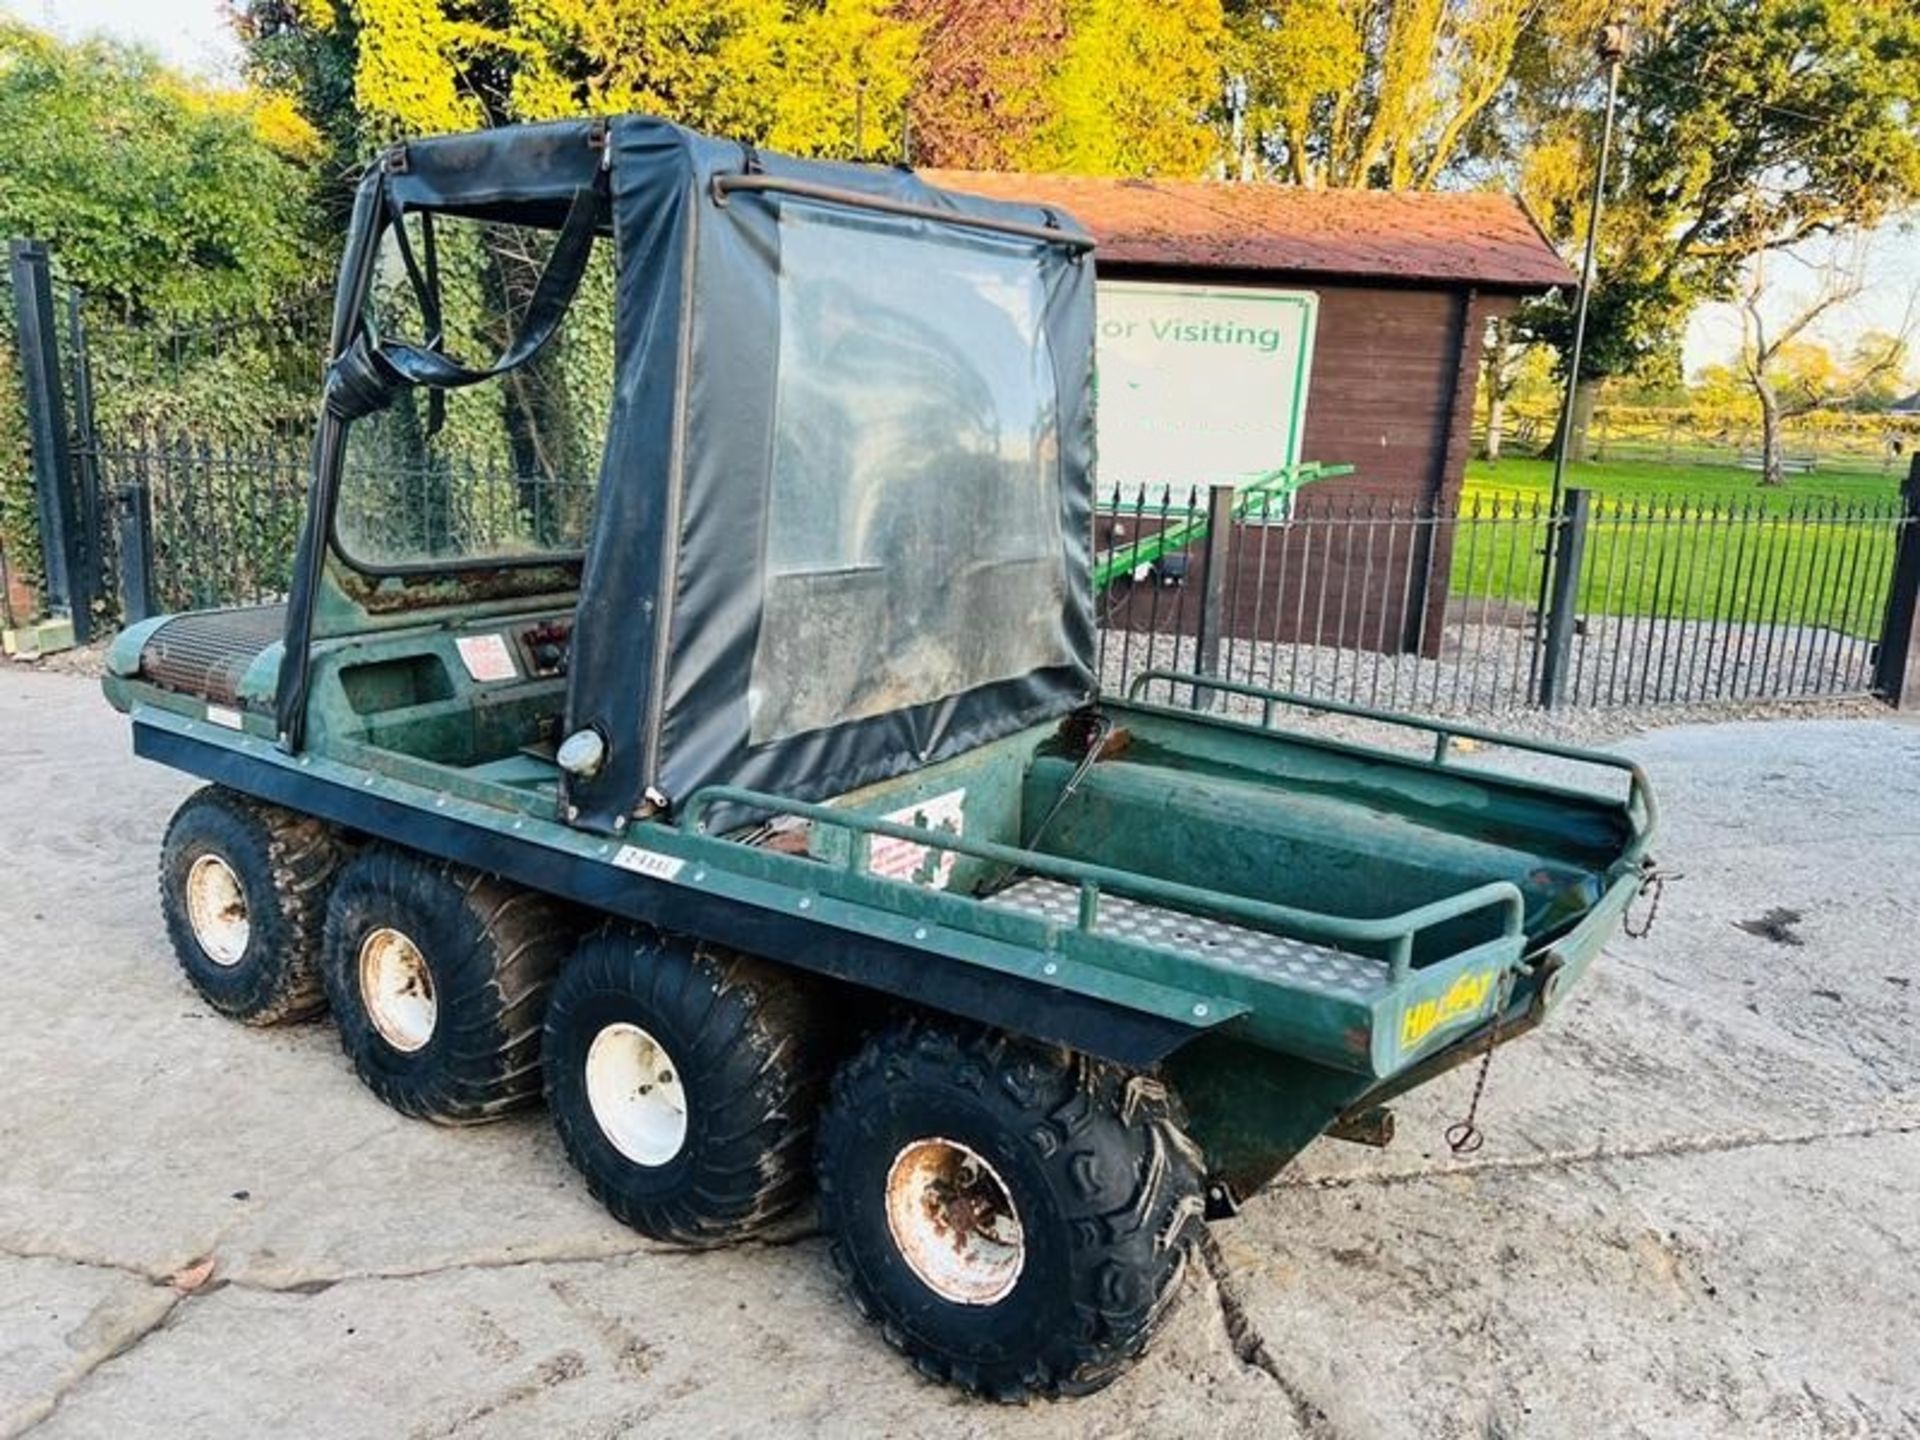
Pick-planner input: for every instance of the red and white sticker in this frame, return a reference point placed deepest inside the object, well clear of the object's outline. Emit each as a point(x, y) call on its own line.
point(487, 657)
point(908, 860)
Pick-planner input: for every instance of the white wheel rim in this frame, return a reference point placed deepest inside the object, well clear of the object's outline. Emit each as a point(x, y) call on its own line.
point(636, 1094)
point(217, 910)
point(396, 987)
point(954, 1221)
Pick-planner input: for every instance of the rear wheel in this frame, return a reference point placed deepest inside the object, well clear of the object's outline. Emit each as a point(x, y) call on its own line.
point(683, 1081)
point(243, 888)
point(1017, 1219)
point(438, 977)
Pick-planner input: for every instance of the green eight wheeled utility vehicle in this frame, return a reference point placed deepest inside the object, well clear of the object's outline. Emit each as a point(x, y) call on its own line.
point(691, 716)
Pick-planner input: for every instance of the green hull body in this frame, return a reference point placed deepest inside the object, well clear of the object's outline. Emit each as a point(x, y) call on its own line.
point(1459, 890)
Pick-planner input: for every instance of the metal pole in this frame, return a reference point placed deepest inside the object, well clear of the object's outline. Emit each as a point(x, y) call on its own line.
point(135, 519)
point(1570, 547)
point(1213, 596)
point(1896, 670)
point(89, 581)
point(1613, 50)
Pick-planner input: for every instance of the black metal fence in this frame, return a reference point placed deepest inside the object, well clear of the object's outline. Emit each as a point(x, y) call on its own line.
point(1502, 604)
point(42, 350)
point(1493, 605)
point(223, 518)
point(198, 524)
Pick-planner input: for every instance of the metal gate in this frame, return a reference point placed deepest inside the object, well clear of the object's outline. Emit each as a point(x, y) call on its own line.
point(138, 517)
point(74, 529)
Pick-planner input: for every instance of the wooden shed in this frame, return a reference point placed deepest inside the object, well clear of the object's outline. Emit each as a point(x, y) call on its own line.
point(1403, 285)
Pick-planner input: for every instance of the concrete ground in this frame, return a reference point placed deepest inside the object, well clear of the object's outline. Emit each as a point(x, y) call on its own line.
point(1697, 1212)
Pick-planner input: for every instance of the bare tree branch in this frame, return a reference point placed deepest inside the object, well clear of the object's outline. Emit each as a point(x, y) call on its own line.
point(1841, 279)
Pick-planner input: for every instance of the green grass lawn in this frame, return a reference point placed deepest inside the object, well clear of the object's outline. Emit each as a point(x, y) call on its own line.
point(1694, 542)
point(1718, 485)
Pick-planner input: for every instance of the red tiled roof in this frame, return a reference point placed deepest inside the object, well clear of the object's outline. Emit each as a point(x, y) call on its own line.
point(1449, 237)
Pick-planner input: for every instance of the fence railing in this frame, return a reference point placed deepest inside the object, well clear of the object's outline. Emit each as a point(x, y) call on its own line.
point(1488, 606)
point(1685, 602)
point(198, 524)
point(1846, 442)
point(1499, 605)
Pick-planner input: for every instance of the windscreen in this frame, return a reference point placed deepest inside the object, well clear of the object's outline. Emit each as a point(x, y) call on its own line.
point(498, 472)
point(913, 541)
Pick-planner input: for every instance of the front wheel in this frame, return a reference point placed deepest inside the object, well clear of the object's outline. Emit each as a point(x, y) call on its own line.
point(243, 889)
point(1017, 1219)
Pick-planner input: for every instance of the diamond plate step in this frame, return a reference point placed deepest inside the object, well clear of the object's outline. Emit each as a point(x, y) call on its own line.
point(1276, 958)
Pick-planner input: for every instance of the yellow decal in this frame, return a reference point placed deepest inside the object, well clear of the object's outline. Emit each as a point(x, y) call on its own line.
point(1464, 997)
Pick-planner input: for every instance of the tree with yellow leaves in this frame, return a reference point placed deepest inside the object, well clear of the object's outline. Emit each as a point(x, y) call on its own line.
point(161, 196)
point(1366, 93)
point(795, 75)
point(1135, 90)
point(1101, 86)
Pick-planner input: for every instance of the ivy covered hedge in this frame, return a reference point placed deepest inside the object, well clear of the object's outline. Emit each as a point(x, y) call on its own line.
point(177, 209)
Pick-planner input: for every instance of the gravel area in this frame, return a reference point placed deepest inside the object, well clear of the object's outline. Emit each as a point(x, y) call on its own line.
point(1699, 671)
point(89, 660)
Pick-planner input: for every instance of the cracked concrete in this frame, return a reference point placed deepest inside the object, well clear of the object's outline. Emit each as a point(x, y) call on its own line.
point(1695, 1213)
point(56, 1329)
point(1250, 1346)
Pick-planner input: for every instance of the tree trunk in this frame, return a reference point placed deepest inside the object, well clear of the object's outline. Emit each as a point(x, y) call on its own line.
point(1494, 376)
point(1772, 471)
point(1586, 396)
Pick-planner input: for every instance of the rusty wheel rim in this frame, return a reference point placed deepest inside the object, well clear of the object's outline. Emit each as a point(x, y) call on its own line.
point(954, 1221)
point(217, 910)
point(396, 987)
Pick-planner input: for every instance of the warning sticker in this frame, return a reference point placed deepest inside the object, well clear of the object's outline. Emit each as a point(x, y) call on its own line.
point(921, 864)
point(487, 657)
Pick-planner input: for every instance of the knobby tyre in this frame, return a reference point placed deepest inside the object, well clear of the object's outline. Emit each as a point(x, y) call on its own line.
point(243, 891)
point(1016, 1219)
point(438, 976)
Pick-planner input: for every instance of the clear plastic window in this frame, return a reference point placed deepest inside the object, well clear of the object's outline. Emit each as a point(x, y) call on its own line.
point(913, 529)
point(501, 471)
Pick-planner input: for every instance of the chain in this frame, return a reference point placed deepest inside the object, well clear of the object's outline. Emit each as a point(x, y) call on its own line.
point(1652, 882)
point(1464, 1136)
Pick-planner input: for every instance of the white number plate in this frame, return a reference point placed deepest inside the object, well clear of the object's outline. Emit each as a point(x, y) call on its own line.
point(650, 863)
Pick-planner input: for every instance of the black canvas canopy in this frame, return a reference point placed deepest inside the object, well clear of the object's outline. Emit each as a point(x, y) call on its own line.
point(843, 518)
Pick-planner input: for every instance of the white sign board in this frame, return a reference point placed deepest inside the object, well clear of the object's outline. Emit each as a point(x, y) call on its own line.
point(1198, 384)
